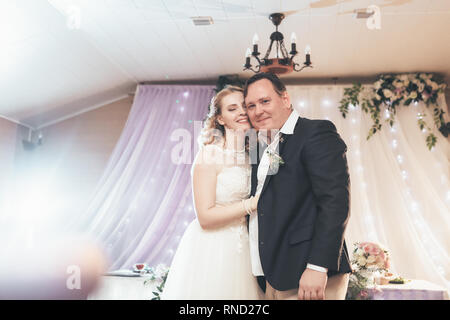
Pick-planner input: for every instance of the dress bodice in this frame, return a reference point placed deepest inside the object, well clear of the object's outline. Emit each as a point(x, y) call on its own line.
point(233, 184)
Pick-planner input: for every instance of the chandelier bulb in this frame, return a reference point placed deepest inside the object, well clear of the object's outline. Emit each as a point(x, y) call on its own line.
point(248, 53)
point(255, 39)
point(308, 49)
point(293, 38)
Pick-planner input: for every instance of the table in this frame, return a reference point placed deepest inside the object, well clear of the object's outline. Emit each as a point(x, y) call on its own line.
point(412, 290)
point(123, 288)
point(133, 288)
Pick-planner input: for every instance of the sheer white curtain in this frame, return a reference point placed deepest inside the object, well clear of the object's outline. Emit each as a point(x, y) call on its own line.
point(400, 194)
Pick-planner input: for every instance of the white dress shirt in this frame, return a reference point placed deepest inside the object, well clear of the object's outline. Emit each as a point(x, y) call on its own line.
point(263, 168)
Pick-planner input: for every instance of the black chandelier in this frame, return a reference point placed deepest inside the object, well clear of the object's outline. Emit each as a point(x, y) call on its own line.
point(282, 64)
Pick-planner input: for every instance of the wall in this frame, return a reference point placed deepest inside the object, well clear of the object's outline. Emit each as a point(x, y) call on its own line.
point(8, 136)
point(65, 168)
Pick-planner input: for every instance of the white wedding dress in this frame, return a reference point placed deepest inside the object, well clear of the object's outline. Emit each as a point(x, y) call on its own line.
point(215, 264)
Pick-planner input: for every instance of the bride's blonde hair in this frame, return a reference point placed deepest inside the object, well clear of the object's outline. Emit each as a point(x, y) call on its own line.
point(213, 132)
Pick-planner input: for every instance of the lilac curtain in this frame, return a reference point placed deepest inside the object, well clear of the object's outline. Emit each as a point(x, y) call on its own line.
point(143, 202)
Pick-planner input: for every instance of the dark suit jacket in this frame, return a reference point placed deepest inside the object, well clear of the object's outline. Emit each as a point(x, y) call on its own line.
point(303, 209)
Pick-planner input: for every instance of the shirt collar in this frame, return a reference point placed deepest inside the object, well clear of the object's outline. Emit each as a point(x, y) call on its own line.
point(289, 125)
point(287, 128)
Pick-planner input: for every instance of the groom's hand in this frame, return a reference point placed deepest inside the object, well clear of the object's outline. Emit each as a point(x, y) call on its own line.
point(312, 285)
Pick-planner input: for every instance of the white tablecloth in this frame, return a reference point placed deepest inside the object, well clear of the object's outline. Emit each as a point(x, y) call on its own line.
point(123, 288)
point(133, 288)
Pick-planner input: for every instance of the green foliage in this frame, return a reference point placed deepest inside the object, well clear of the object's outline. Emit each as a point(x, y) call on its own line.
point(391, 91)
point(357, 287)
point(350, 97)
point(158, 275)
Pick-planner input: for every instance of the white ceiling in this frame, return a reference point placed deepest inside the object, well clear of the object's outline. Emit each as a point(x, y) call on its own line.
point(49, 71)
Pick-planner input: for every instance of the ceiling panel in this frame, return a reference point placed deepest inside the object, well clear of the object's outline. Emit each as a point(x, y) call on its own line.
point(122, 42)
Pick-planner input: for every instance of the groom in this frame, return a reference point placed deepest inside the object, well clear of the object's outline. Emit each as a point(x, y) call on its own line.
point(297, 242)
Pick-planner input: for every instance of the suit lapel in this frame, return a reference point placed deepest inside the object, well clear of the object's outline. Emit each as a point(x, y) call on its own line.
point(280, 152)
point(283, 141)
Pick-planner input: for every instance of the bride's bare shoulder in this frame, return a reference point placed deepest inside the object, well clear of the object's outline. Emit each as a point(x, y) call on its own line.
point(209, 156)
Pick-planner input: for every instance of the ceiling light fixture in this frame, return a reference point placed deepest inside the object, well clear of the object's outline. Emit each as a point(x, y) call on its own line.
point(282, 64)
point(202, 21)
point(363, 13)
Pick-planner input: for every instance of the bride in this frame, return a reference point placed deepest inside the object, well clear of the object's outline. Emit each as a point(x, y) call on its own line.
point(213, 260)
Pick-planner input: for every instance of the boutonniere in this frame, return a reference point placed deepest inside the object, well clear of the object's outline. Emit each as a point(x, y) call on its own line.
point(275, 160)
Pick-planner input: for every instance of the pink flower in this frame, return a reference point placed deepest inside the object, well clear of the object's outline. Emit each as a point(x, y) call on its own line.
point(372, 249)
point(363, 294)
point(379, 260)
point(387, 264)
point(362, 244)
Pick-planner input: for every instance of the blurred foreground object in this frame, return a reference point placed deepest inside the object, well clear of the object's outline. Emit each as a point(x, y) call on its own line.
point(63, 268)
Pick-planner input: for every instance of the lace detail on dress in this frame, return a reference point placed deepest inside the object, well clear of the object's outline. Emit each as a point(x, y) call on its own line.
point(233, 184)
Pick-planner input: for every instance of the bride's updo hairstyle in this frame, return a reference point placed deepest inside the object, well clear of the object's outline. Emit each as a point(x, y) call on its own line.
point(213, 132)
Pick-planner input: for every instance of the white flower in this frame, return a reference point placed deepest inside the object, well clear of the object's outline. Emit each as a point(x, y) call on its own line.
point(443, 86)
point(413, 95)
point(421, 87)
point(434, 86)
point(377, 84)
point(361, 261)
point(411, 76)
point(403, 77)
point(428, 82)
point(387, 93)
point(372, 267)
point(398, 84)
point(377, 96)
point(160, 270)
point(371, 259)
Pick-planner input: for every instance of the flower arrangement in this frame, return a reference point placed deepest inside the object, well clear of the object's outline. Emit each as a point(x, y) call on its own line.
point(391, 91)
point(158, 275)
point(368, 258)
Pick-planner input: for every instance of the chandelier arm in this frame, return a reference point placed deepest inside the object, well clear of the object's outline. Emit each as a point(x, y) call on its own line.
point(291, 59)
point(284, 51)
point(251, 68)
point(298, 70)
point(268, 51)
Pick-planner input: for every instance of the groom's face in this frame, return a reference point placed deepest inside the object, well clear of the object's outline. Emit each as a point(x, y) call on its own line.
point(267, 109)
